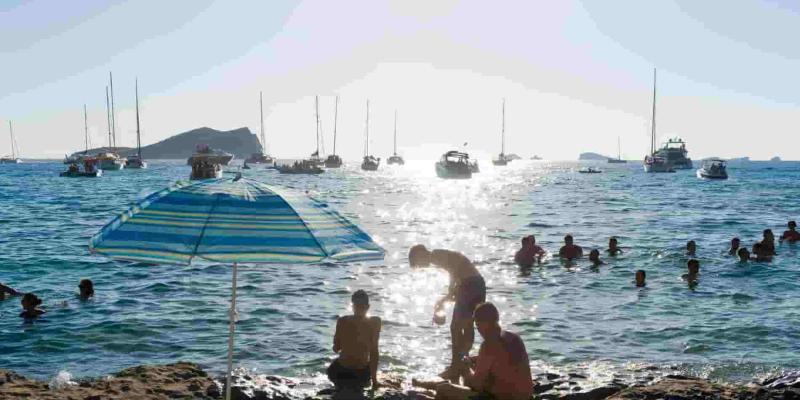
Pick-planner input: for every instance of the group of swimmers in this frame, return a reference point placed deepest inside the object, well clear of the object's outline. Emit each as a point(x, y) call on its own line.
point(31, 303)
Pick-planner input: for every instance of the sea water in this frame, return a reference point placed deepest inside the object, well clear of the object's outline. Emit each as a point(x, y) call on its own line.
point(740, 321)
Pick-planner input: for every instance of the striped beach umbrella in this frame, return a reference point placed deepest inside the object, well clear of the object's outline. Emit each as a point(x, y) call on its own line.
point(232, 221)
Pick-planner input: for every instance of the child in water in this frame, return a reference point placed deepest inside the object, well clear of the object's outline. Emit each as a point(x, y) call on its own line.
point(640, 278)
point(30, 306)
point(356, 341)
point(86, 287)
point(691, 248)
point(694, 271)
point(734, 250)
point(743, 254)
point(594, 257)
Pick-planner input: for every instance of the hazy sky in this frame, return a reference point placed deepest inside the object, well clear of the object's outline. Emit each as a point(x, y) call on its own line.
point(575, 74)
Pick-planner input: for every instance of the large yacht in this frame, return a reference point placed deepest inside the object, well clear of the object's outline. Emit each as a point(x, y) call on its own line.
point(205, 153)
point(674, 151)
point(454, 165)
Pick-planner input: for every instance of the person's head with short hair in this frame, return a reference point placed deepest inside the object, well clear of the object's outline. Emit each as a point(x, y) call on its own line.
point(735, 242)
point(792, 225)
point(768, 235)
point(531, 239)
point(640, 278)
point(694, 266)
point(691, 247)
point(419, 256)
point(360, 301)
point(86, 287)
point(30, 301)
point(594, 256)
point(487, 320)
point(743, 254)
point(568, 239)
point(612, 243)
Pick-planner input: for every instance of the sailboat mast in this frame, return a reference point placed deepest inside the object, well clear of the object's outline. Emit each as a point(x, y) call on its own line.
point(366, 141)
point(113, 117)
point(653, 124)
point(138, 133)
point(85, 130)
point(503, 131)
point(619, 150)
point(261, 107)
point(108, 119)
point(316, 113)
point(395, 132)
point(13, 150)
point(335, 117)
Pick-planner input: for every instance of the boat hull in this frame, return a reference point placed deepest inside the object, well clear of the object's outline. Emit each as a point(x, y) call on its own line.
point(333, 161)
point(369, 166)
point(453, 171)
point(10, 161)
point(259, 159)
point(396, 160)
point(211, 158)
point(111, 165)
point(704, 174)
point(80, 174)
point(617, 161)
point(500, 163)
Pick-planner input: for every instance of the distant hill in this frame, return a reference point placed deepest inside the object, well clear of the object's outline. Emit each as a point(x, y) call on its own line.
point(592, 157)
point(239, 142)
point(775, 159)
point(512, 157)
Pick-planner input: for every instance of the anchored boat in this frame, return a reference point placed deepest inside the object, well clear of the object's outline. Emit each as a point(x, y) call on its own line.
point(654, 163)
point(369, 163)
point(136, 161)
point(454, 165)
point(13, 158)
point(306, 167)
point(619, 159)
point(261, 157)
point(333, 160)
point(714, 168)
point(501, 159)
point(395, 159)
point(90, 169)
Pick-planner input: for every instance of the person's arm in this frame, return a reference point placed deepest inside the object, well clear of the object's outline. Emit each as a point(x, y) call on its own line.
point(476, 379)
point(374, 353)
point(9, 290)
point(337, 341)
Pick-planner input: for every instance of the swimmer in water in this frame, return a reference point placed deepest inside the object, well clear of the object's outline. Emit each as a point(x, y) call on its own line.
point(735, 243)
point(30, 306)
point(613, 250)
point(570, 251)
point(768, 243)
point(640, 278)
point(86, 287)
point(530, 253)
point(594, 257)
point(744, 255)
point(8, 291)
point(691, 248)
point(356, 341)
point(760, 253)
point(694, 271)
point(791, 235)
point(467, 289)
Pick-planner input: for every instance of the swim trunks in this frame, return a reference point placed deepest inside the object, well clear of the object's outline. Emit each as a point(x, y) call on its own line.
point(348, 377)
point(470, 292)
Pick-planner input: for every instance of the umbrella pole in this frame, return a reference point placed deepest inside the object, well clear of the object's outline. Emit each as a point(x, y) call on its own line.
point(231, 328)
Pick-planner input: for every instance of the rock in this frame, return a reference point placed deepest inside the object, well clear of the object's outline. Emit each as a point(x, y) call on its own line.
point(541, 388)
point(594, 394)
point(685, 388)
point(791, 379)
point(551, 376)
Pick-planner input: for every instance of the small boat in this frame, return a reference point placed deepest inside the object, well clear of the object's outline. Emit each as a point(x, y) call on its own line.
point(205, 153)
point(501, 159)
point(619, 159)
point(301, 167)
point(261, 157)
point(110, 161)
point(454, 165)
point(394, 158)
point(590, 170)
point(369, 163)
point(653, 163)
point(205, 165)
point(315, 158)
point(714, 168)
point(136, 161)
point(13, 158)
point(90, 169)
point(333, 160)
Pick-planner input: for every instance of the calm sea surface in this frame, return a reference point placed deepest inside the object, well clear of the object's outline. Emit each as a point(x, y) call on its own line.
point(740, 321)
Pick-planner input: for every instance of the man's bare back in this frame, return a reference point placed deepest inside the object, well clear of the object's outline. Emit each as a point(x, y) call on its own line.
point(355, 338)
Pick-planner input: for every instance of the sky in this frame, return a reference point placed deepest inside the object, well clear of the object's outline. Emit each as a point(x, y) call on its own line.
point(576, 76)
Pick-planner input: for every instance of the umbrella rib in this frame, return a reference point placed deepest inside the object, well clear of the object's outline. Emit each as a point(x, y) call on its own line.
point(205, 225)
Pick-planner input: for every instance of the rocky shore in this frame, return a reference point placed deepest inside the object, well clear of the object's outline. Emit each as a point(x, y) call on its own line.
point(185, 380)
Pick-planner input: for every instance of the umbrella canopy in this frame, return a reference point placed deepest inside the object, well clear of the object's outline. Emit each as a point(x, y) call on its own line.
point(232, 221)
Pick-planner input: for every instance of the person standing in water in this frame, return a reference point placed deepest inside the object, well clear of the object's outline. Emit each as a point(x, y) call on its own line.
point(791, 235)
point(744, 255)
point(640, 277)
point(693, 267)
point(613, 249)
point(735, 243)
point(530, 253)
point(467, 289)
point(594, 257)
point(691, 248)
point(768, 243)
point(570, 251)
point(356, 341)
point(86, 287)
point(30, 306)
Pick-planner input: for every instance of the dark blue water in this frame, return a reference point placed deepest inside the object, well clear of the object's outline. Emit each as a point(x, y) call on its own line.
point(740, 321)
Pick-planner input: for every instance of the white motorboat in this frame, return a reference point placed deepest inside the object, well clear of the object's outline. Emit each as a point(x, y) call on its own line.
point(714, 168)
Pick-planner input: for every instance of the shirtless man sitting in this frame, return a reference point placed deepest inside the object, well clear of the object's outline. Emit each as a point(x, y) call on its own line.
point(530, 253)
point(501, 370)
point(356, 341)
point(467, 288)
point(791, 235)
point(570, 251)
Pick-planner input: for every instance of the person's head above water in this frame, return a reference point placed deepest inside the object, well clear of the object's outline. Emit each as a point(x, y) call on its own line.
point(768, 235)
point(640, 278)
point(568, 239)
point(360, 300)
point(86, 287)
point(743, 254)
point(792, 225)
point(694, 266)
point(735, 242)
point(419, 256)
point(594, 256)
point(487, 320)
point(30, 301)
point(691, 246)
point(612, 243)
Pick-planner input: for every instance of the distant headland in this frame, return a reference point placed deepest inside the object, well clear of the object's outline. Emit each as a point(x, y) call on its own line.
point(592, 157)
point(239, 142)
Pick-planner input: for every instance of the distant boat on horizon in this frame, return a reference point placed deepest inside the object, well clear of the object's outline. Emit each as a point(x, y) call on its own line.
point(110, 160)
point(653, 163)
point(315, 158)
point(333, 160)
point(501, 159)
point(136, 161)
point(262, 157)
point(395, 159)
point(619, 159)
point(14, 157)
point(454, 165)
point(369, 163)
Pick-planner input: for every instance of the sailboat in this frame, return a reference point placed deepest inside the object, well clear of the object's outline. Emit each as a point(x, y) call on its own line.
point(502, 160)
point(261, 157)
point(652, 162)
point(395, 159)
point(110, 160)
point(91, 165)
point(13, 158)
point(333, 160)
point(619, 159)
point(369, 163)
point(315, 159)
point(136, 161)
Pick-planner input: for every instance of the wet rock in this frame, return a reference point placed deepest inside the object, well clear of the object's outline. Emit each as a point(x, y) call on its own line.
point(685, 388)
point(541, 388)
point(791, 379)
point(551, 376)
point(576, 376)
